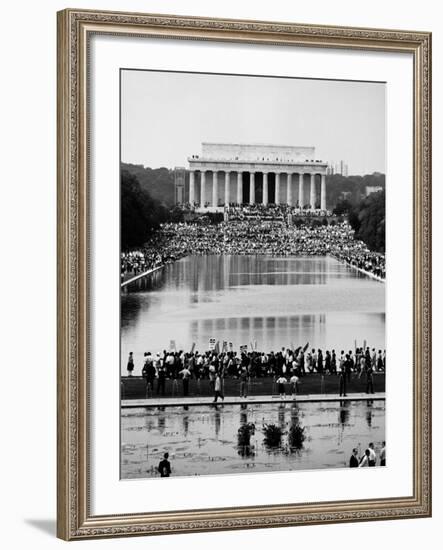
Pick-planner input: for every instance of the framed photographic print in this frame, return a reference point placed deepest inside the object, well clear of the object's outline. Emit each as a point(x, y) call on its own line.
point(243, 274)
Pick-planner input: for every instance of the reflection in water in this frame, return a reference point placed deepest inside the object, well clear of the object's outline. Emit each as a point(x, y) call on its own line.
point(344, 413)
point(161, 420)
point(185, 422)
point(217, 420)
point(277, 301)
point(229, 438)
point(369, 413)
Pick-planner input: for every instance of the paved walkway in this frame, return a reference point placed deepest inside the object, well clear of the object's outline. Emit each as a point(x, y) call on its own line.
point(189, 401)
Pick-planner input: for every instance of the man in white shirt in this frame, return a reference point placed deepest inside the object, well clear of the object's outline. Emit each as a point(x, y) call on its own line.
point(372, 455)
point(364, 462)
point(294, 385)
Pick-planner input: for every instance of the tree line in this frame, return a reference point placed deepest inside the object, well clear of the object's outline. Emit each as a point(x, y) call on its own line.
point(368, 219)
point(141, 214)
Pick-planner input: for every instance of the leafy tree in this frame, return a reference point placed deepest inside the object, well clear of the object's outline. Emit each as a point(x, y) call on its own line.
point(343, 207)
point(368, 221)
point(353, 186)
point(140, 213)
point(158, 182)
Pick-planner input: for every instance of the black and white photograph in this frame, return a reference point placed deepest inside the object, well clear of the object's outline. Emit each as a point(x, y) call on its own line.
point(252, 274)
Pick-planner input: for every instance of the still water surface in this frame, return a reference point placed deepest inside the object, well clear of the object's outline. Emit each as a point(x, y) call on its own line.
point(203, 440)
point(276, 301)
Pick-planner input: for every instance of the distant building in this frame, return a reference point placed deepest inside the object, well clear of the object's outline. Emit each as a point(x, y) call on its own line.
point(373, 189)
point(179, 185)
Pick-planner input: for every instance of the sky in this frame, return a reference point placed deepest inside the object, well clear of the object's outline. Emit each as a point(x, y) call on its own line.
point(165, 116)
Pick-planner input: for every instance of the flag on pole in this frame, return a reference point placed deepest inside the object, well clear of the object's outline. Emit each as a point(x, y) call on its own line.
point(306, 347)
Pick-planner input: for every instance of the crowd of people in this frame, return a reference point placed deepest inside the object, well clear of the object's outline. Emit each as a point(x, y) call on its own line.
point(252, 236)
point(369, 457)
point(236, 212)
point(280, 365)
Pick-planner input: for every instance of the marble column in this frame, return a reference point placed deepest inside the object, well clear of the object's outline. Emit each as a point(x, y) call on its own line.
point(227, 174)
point(239, 188)
point(323, 192)
point(265, 188)
point(191, 187)
point(214, 188)
point(301, 198)
point(277, 188)
point(312, 194)
point(202, 188)
point(252, 188)
point(289, 189)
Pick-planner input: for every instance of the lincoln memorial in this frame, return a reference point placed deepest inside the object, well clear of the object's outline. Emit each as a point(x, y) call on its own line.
point(227, 173)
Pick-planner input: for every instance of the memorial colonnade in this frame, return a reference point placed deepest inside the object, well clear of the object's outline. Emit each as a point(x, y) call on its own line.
point(297, 187)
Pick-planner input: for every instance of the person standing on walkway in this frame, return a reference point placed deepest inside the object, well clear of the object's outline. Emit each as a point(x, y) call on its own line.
point(212, 377)
point(148, 374)
point(342, 380)
point(130, 366)
point(333, 362)
point(353, 461)
point(372, 455)
point(383, 454)
point(281, 381)
point(161, 373)
point(164, 466)
point(218, 388)
point(294, 385)
point(320, 361)
point(185, 373)
point(364, 462)
point(369, 379)
point(243, 382)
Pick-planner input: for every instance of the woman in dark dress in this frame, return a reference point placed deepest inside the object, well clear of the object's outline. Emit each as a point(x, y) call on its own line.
point(130, 366)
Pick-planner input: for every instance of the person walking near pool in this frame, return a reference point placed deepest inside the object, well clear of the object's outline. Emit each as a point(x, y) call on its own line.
point(130, 366)
point(281, 381)
point(164, 466)
point(218, 388)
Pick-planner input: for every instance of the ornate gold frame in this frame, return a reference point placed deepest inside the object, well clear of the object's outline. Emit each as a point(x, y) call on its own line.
point(74, 29)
